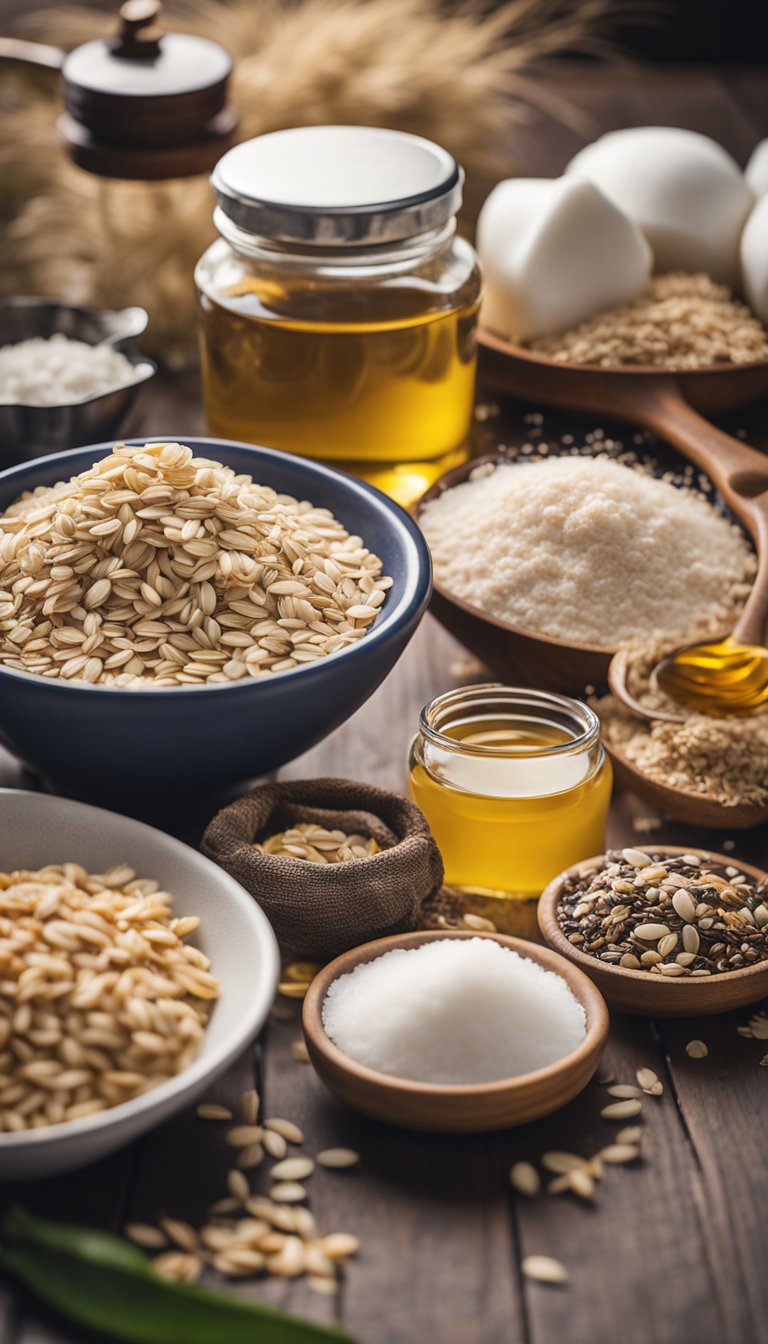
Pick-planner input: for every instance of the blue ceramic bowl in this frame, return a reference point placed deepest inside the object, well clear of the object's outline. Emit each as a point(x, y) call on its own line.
point(129, 745)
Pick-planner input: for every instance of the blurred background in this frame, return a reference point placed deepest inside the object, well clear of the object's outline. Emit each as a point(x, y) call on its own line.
point(656, 30)
point(509, 86)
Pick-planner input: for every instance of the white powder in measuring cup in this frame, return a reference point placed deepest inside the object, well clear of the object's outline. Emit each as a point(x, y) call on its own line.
point(58, 371)
point(453, 1011)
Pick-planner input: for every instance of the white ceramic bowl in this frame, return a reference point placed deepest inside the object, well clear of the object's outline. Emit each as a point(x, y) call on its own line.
point(36, 829)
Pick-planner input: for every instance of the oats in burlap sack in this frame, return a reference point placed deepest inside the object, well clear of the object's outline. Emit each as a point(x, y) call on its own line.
point(321, 910)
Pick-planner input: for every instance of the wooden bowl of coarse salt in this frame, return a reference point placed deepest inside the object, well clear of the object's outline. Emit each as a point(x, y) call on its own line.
point(650, 992)
point(543, 567)
point(454, 1007)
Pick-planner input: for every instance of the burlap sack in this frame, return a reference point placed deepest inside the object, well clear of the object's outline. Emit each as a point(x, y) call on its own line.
point(321, 910)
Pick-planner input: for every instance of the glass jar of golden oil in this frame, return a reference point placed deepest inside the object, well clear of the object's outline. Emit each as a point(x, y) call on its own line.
point(515, 785)
point(339, 307)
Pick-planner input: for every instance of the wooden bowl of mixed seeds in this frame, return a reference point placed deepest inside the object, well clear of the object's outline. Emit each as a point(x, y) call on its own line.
point(667, 931)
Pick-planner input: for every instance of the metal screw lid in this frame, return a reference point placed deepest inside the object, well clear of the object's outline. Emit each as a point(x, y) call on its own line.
point(337, 185)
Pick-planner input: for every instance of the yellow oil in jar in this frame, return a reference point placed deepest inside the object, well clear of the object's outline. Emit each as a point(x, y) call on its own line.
point(387, 393)
point(722, 677)
point(507, 824)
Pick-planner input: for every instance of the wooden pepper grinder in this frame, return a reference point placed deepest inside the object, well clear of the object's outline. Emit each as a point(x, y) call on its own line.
point(143, 104)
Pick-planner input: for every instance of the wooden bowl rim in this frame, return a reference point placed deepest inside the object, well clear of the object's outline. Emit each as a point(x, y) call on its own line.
point(581, 986)
point(549, 900)
point(492, 341)
point(457, 476)
point(753, 814)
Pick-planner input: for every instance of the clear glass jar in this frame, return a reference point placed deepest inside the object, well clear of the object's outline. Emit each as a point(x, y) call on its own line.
point(514, 783)
point(338, 316)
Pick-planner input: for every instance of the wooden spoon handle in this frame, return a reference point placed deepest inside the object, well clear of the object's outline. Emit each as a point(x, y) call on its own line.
point(739, 472)
point(752, 625)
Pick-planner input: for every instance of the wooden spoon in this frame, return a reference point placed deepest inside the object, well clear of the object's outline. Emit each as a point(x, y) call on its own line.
point(664, 402)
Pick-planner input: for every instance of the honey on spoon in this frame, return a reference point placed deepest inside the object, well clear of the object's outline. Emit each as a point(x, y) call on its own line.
point(722, 677)
point(725, 676)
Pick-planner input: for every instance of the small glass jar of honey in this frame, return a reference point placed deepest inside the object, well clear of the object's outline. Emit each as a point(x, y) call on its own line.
point(339, 307)
point(515, 785)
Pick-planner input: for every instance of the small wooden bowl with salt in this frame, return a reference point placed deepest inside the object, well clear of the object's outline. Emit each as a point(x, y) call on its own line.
point(470, 1108)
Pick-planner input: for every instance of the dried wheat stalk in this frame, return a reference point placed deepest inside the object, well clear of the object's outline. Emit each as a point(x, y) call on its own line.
point(462, 79)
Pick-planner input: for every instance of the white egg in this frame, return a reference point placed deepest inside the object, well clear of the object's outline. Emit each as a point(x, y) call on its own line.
point(554, 252)
point(754, 260)
point(684, 191)
point(756, 171)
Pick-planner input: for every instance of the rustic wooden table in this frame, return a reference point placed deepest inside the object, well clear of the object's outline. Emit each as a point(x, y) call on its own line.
point(673, 1249)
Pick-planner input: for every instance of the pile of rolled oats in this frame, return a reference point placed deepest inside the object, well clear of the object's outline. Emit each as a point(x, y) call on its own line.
point(155, 567)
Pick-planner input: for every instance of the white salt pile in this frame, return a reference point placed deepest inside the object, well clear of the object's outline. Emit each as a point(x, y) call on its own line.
point(589, 550)
point(60, 372)
point(453, 1011)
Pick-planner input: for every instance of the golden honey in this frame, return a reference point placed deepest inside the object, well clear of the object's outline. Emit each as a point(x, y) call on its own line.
point(515, 785)
point(281, 367)
point(722, 677)
point(343, 330)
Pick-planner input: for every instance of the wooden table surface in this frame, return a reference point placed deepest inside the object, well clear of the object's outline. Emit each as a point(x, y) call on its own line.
point(673, 1250)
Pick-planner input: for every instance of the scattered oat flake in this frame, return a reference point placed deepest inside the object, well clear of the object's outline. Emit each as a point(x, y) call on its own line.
point(178, 1266)
point(250, 1157)
point(237, 1185)
point(299, 1051)
point(621, 1110)
point(318, 1284)
point(242, 1136)
point(759, 1026)
point(467, 668)
point(643, 825)
point(560, 1162)
point(581, 1183)
point(338, 1157)
point(479, 923)
point(619, 1152)
point(646, 1078)
point(558, 1186)
point(286, 1128)
point(209, 1111)
point(144, 1235)
point(275, 1144)
point(631, 1134)
point(288, 1192)
point(339, 1245)
point(181, 1233)
point(248, 1106)
point(544, 1269)
point(525, 1179)
point(697, 1050)
point(293, 1169)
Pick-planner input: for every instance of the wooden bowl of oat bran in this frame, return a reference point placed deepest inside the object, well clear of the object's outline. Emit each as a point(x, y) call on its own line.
point(644, 992)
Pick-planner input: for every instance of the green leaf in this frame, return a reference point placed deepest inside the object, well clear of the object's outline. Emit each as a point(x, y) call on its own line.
point(86, 1275)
